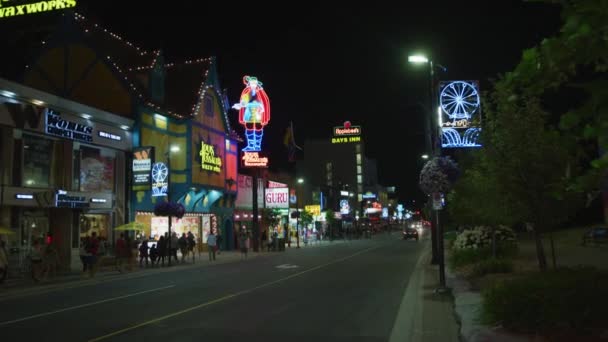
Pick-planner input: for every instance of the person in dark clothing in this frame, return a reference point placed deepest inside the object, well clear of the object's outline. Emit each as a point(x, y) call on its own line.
point(162, 250)
point(153, 254)
point(219, 239)
point(191, 243)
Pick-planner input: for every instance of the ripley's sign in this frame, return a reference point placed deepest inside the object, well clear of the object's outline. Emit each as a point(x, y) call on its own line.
point(57, 126)
point(15, 8)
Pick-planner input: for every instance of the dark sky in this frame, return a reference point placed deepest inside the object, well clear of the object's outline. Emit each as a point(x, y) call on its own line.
point(323, 63)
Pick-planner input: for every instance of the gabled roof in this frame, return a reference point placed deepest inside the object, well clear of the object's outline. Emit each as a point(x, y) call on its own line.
point(184, 82)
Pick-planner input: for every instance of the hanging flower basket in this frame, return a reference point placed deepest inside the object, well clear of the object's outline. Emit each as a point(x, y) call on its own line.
point(169, 209)
point(438, 175)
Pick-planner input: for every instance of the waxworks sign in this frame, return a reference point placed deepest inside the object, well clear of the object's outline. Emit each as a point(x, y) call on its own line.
point(56, 125)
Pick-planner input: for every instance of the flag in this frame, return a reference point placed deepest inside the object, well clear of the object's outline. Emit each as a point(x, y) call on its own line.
point(289, 141)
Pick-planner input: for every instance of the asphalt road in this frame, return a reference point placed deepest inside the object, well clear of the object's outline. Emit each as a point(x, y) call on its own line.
point(341, 292)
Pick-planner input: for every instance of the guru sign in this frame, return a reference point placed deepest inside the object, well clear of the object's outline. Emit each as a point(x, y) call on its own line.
point(277, 198)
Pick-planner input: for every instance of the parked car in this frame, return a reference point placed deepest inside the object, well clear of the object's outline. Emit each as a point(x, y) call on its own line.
point(409, 233)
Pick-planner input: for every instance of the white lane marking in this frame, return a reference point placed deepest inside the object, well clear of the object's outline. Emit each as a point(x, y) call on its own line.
point(286, 266)
point(81, 306)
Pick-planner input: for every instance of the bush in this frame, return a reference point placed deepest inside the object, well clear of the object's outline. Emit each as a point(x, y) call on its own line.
point(462, 257)
point(566, 300)
point(492, 265)
point(481, 236)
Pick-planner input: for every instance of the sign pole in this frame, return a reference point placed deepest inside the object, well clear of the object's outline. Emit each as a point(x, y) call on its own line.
point(255, 221)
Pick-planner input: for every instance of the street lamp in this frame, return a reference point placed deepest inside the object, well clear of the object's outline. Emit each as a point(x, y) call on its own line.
point(435, 148)
point(300, 181)
point(424, 156)
point(172, 149)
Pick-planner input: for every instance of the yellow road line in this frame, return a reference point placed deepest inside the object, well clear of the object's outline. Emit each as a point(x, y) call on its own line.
point(236, 294)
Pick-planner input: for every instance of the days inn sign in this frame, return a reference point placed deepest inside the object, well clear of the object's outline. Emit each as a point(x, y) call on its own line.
point(13, 8)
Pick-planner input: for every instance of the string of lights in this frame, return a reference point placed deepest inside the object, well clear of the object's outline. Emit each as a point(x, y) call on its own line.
point(93, 26)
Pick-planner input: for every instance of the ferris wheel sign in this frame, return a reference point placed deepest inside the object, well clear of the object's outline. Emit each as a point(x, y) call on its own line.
point(459, 117)
point(160, 179)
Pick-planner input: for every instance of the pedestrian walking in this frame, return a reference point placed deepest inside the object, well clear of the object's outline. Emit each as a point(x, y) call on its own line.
point(191, 244)
point(92, 248)
point(211, 245)
point(243, 243)
point(182, 242)
point(219, 239)
point(162, 250)
point(121, 252)
point(143, 253)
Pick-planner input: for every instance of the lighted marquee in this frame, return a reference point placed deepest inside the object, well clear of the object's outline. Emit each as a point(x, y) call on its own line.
point(346, 134)
point(459, 116)
point(254, 112)
point(12, 8)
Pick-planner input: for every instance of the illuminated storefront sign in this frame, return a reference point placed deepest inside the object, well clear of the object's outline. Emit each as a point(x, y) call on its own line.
point(277, 198)
point(109, 136)
point(32, 7)
point(98, 200)
point(344, 207)
point(24, 196)
point(160, 179)
point(314, 209)
point(345, 140)
point(57, 126)
point(209, 161)
point(253, 159)
point(65, 200)
point(143, 157)
point(346, 134)
point(368, 195)
point(272, 184)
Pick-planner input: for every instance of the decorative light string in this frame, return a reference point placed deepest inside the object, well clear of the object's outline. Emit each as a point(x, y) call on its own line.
point(83, 19)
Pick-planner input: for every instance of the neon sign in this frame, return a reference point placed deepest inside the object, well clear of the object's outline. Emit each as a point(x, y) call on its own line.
point(34, 7)
point(253, 159)
point(160, 179)
point(254, 112)
point(458, 106)
point(209, 161)
point(346, 134)
point(345, 140)
point(347, 130)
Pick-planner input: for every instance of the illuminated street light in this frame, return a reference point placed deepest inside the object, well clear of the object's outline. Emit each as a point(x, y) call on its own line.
point(419, 59)
point(425, 156)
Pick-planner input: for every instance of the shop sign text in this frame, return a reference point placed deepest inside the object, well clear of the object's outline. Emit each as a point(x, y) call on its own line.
point(34, 7)
point(209, 161)
point(57, 126)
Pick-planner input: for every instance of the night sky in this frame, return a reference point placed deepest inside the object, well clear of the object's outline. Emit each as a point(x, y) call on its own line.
point(323, 64)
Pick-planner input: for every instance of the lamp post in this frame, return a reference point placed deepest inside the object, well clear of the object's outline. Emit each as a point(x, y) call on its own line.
point(300, 181)
point(436, 231)
point(172, 149)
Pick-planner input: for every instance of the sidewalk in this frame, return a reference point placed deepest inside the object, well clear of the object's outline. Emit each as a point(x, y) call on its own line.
point(425, 315)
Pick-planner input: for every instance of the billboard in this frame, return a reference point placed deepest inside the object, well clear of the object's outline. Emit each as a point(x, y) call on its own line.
point(143, 158)
point(459, 115)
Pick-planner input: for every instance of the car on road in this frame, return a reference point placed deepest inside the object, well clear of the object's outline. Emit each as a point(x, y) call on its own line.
point(410, 233)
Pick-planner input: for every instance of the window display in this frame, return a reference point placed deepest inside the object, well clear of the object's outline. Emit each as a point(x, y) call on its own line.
point(37, 153)
point(96, 170)
point(98, 223)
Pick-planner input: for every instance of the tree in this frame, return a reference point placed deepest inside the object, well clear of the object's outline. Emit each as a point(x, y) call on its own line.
point(540, 158)
point(330, 218)
point(306, 218)
point(271, 216)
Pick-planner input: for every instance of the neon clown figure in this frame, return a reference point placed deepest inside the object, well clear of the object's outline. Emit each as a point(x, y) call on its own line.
point(254, 112)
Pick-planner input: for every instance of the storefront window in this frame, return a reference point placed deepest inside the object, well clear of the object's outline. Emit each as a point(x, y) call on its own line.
point(96, 170)
point(37, 153)
point(98, 223)
point(160, 226)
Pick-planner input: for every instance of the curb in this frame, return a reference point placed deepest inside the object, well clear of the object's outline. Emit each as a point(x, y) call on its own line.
point(467, 306)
